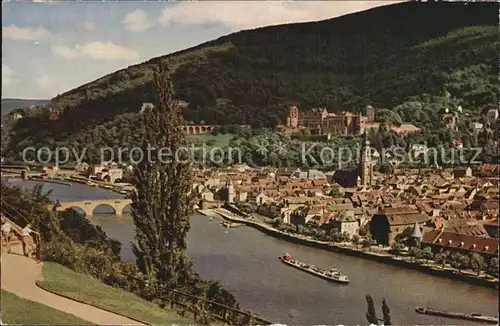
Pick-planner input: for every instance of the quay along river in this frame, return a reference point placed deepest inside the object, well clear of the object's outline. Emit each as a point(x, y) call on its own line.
point(245, 261)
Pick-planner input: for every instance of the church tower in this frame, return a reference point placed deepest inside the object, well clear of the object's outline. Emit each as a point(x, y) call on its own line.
point(231, 193)
point(366, 165)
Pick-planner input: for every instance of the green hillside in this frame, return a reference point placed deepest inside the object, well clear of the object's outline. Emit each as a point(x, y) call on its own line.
point(384, 57)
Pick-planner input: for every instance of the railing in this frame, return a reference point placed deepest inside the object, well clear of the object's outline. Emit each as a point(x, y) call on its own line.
point(227, 314)
point(18, 229)
point(191, 303)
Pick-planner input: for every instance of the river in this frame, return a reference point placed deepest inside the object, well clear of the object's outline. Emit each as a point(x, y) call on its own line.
point(245, 262)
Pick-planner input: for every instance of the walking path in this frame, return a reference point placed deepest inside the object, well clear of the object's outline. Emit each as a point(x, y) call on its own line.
point(19, 275)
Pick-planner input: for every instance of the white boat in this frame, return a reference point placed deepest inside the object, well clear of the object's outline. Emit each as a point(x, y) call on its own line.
point(333, 275)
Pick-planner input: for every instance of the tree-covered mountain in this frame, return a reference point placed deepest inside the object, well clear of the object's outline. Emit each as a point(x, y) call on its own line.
point(403, 57)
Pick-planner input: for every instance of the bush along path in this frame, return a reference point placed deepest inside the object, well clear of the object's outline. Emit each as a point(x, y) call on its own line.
point(19, 277)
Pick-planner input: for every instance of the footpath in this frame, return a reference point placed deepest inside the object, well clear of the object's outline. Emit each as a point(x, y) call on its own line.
point(18, 276)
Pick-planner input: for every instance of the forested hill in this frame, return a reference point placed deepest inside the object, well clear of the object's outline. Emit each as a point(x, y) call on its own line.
point(382, 57)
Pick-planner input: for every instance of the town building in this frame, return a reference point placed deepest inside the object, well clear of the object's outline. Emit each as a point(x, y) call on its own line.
point(320, 122)
point(230, 192)
point(492, 114)
point(440, 240)
point(386, 224)
point(476, 126)
point(292, 119)
point(346, 223)
point(54, 115)
point(362, 175)
point(108, 173)
point(366, 165)
point(451, 120)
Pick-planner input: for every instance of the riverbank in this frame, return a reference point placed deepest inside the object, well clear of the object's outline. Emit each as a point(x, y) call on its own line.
point(353, 251)
point(55, 181)
point(122, 189)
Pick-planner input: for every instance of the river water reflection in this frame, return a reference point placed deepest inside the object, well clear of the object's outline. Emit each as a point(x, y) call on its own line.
point(245, 262)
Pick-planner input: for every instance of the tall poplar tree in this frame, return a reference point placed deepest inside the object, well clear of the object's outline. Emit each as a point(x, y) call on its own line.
point(371, 315)
point(387, 313)
point(162, 179)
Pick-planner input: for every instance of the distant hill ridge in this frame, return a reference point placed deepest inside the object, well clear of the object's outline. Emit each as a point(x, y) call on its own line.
point(11, 104)
point(383, 57)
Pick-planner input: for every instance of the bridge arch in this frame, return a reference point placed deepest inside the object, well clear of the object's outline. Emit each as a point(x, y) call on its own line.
point(109, 209)
point(77, 209)
point(127, 208)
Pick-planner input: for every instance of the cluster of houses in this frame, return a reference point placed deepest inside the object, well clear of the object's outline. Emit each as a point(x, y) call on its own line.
point(453, 209)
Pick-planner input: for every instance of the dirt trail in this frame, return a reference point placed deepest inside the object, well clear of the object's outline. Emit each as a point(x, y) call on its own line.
point(19, 274)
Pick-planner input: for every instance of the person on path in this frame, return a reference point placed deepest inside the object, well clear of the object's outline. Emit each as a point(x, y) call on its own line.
point(27, 240)
point(6, 233)
point(58, 204)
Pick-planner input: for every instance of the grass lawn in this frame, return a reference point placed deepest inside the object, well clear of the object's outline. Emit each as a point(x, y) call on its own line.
point(87, 289)
point(218, 140)
point(16, 310)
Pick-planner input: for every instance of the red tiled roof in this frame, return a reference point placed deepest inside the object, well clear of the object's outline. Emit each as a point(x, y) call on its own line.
point(319, 182)
point(454, 240)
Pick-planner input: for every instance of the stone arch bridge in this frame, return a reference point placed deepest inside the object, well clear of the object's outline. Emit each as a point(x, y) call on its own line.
point(198, 129)
point(88, 206)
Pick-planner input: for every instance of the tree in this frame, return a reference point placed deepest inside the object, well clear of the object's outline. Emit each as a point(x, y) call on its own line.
point(396, 248)
point(371, 315)
point(413, 252)
point(345, 237)
point(426, 254)
point(368, 241)
point(388, 116)
point(477, 262)
point(459, 261)
point(336, 192)
point(386, 168)
point(493, 267)
point(355, 239)
point(160, 202)
point(386, 312)
point(442, 258)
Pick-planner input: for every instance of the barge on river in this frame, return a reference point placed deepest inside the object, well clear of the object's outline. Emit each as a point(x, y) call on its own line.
point(457, 315)
point(333, 275)
point(228, 225)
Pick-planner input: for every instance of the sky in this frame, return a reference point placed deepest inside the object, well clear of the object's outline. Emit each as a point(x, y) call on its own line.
point(49, 48)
